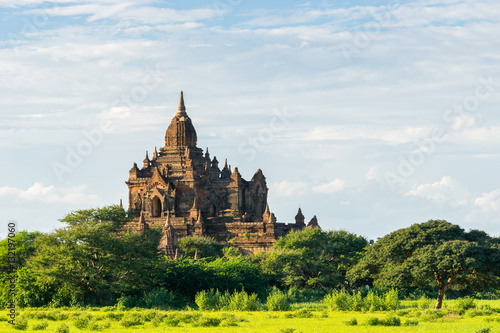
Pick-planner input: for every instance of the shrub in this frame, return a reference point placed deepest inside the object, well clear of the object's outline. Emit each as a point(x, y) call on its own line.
point(127, 302)
point(131, 319)
point(207, 322)
point(172, 322)
point(62, 328)
point(424, 303)
point(391, 321)
point(338, 300)
point(303, 313)
point(391, 300)
point(158, 299)
point(388, 321)
point(373, 321)
point(40, 325)
point(464, 304)
point(21, 324)
point(278, 301)
point(410, 322)
point(351, 322)
point(241, 301)
point(210, 300)
point(287, 330)
point(81, 323)
point(93, 326)
point(483, 330)
point(373, 302)
point(114, 316)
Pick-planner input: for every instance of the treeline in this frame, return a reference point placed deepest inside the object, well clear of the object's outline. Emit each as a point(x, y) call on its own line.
point(90, 261)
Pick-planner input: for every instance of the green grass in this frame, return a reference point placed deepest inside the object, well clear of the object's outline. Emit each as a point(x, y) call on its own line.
point(306, 317)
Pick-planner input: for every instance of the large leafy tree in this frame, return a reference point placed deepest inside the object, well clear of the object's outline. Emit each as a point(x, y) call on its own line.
point(93, 258)
point(201, 247)
point(314, 258)
point(434, 252)
point(24, 248)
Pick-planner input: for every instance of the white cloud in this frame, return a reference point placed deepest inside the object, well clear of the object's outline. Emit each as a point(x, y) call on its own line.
point(51, 194)
point(489, 202)
point(447, 190)
point(288, 189)
point(334, 186)
point(392, 136)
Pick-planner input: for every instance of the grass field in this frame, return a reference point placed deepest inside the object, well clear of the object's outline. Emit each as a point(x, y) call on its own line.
point(305, 317)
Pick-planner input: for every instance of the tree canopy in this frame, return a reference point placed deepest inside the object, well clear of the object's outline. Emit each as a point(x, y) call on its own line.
point(435, 252)
point(90, 259)
point(314, 258)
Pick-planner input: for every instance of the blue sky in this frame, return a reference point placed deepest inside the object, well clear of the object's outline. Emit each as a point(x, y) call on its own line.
point(372, 115)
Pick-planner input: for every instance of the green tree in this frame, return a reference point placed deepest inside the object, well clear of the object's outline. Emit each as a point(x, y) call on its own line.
point(313, 258)
point(435, 252)
point(202, 246)
point(24, 248)
point(93, 258)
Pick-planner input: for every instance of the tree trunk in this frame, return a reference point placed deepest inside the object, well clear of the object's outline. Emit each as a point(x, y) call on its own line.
point(439, 301)
point(98, 294)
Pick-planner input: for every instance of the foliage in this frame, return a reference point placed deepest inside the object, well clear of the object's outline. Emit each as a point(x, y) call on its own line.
point(313, 258)
point(203, 246)
point(464, 304)
point(277, 300)
point(213, 300)
point(24, 248)
point(224, 274)
point(40, 326)
point(432, 252)
point(88, 261)
point(345, 301)
point(21, 324)
point(62, 328)
point(131, 319)
point(210, 300)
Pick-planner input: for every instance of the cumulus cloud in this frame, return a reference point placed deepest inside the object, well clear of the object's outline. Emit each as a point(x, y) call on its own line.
point(489, 202)
point(51, 194)
point(288, 189)
point(334, 186)
point(447, 190)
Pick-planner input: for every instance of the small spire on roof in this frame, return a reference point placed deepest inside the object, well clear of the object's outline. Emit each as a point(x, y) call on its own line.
point(181, 110)
point(146, 160)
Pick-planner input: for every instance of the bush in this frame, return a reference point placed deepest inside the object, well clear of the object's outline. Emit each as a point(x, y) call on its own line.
point(207, 322)
point(388, 321)
point(62, 328)
point(483, 330)
point(278, 301)
point(373, 321)
point(391, 300)
point(351, 322)
point(21, 324)
point(373, 302)
point(81, 323)
point(158, 299)
point(94, 326)
point(241, 301)
point(210, 300)
point(287, 330)
point(40, 325)
point(424, 303)
point(131, 319)
point(410, 322)
point(464, 304)
point(338, 300)
point(391, 321)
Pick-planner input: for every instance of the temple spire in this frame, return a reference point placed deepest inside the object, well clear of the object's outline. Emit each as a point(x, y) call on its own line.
point(181, 110)
point(146, 160)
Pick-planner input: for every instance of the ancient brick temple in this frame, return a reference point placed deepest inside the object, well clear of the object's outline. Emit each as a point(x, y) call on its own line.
point(183, 191)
